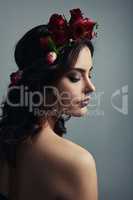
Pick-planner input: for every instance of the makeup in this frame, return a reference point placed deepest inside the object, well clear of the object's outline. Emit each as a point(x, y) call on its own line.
point(84, 103)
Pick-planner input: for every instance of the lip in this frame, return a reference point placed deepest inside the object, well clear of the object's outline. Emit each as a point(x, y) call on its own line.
point(85, 102)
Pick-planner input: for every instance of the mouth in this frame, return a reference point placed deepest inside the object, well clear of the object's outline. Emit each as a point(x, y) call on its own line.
point(85, 102)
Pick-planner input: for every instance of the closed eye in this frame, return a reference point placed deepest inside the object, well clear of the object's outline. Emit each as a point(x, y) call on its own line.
point(74, 77)
point(77, 73)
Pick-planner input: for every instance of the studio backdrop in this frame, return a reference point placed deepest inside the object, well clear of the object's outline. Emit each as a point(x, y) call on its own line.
point(105, 130)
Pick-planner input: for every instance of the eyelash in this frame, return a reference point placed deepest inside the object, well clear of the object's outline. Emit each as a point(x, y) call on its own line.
point(73, 79)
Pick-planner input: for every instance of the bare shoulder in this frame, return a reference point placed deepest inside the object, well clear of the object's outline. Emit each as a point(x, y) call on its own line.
point(77, 154)
point(83, 184)
point(72, 168)
point(82, 158)
point(66, 154)
point(79, 172)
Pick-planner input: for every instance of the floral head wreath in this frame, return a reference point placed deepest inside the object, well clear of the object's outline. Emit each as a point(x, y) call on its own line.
point(61, 33)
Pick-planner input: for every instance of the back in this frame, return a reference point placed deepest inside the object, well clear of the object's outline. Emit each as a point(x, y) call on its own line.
point(49, 168)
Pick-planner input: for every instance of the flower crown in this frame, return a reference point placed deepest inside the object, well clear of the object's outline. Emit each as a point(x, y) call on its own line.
point(61, 33)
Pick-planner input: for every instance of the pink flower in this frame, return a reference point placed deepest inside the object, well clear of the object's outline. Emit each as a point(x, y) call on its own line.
point(51, 57)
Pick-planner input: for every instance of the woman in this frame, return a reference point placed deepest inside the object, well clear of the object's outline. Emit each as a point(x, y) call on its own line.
point(51, 85)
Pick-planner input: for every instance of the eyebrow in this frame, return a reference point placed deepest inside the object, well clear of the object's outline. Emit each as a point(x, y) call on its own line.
point(81, 69)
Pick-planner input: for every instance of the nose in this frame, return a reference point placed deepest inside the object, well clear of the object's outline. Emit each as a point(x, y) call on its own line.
point(89, 87)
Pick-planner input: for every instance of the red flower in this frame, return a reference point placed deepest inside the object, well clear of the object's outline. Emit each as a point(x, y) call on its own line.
point(58, 28)
point(76, 14)
point(44, 42)
point(57, 22)
point(79, 26)
point(15, 77)
point(89, 23)
point(61, 31)
point(60, 37)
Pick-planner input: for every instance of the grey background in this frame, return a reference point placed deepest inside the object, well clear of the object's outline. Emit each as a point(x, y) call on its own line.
point(107, 134)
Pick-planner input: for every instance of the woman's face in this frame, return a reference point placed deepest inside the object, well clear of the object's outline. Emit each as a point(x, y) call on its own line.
point(76, 84)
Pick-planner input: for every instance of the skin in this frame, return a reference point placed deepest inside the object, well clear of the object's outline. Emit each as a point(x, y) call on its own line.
point(76, 83)
point(53, 167)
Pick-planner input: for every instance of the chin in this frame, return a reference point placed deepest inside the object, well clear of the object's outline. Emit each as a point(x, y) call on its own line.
point(79, 112)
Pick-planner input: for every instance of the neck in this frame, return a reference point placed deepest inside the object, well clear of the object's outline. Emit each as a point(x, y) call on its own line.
point(49, 124)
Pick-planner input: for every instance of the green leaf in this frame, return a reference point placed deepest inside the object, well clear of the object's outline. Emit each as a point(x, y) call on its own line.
point(51, 45)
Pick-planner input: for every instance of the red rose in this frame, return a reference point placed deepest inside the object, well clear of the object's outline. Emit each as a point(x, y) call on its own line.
point(60, 37)
point(57, 22)
point(82, 28)
point(44, 42)
point(76, 14)
point(77, 29)
point(58, 29)
point(89, 23)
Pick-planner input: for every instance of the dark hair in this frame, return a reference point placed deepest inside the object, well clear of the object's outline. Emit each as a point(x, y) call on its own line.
point(18, 123)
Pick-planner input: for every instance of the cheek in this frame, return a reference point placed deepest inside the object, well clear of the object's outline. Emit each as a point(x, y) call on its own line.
point(69, 92)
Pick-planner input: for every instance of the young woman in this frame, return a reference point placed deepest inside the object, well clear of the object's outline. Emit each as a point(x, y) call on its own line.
point(52, 84)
